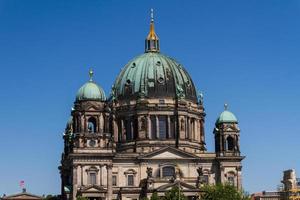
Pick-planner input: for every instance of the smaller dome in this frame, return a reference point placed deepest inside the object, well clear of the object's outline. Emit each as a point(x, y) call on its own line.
point(90, 91)
point(226, 117)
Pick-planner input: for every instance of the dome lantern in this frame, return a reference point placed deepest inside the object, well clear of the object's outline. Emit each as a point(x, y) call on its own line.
point(152, 41)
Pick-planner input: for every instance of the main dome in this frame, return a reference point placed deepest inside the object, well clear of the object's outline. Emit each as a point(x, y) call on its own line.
point(154, 75)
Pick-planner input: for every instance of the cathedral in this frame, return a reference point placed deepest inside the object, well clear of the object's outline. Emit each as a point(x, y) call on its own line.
point(147, 136)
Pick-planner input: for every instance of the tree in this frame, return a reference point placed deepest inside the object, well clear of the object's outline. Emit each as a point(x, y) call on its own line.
point(155, 196)
point(222, 192)
point(174, 194)
point(51, 197)
point(81, 198)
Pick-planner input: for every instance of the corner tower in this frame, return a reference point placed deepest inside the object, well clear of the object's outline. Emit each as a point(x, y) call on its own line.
point(227, 147)
point(89, 147)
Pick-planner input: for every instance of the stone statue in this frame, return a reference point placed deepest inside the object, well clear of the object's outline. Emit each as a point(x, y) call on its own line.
point(149, 172)
point(200, 98)
point(200, 171)
point(177, 173)
point(113, 93)
point(143, 124)
point(180, 92)
point(182, 125)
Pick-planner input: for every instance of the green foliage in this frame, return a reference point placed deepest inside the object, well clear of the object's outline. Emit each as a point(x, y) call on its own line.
point(81, 198)
point(51, 197)
point(174, 194)
point(155, 196)
point(222, 192)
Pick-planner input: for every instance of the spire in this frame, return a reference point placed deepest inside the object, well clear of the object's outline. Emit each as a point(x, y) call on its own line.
point(91, 74)
point(152, 41)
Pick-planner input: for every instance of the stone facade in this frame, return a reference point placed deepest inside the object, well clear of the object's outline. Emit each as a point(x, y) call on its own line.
point(136, 143)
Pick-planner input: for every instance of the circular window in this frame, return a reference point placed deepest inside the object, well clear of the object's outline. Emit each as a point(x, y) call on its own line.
point(92, 143)
point(128, 82)
point(160, 79)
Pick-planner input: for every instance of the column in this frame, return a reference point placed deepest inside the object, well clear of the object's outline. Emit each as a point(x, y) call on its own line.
point(148, 126)
point(202, 130)
point(79, 169)
point(82, 124)
point(222, 178)
point(101, 123)
point(122, 131)
point(81, 175)
point(74, 185)
point(239, 177)
point(115, 129)
point(100, 172)
point(109, 181)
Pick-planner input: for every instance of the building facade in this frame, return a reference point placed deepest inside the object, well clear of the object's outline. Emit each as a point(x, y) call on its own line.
point(148, 136)
point(290, 189)
point(24, 195)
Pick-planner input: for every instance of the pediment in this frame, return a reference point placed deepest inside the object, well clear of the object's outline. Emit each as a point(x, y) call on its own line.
point(168, 153)
point(92, 189)
point(183, 186)
point(23, 196)
point(91, 107)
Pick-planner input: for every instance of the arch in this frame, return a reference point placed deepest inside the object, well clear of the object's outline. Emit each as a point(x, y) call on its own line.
point(92, 125)
point(231, 178)
point(230, 143)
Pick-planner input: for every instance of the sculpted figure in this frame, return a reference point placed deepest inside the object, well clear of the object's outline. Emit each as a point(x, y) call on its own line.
point(149, 172)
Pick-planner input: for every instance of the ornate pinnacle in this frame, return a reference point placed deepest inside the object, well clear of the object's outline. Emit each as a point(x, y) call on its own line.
point(91, 74)
point(225, 106)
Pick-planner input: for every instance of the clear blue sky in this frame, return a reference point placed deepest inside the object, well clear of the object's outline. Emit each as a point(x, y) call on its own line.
point(245, 53)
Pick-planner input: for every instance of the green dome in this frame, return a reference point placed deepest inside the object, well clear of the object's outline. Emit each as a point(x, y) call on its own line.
point(154, 75)
point(90, 91)
point(226, 117)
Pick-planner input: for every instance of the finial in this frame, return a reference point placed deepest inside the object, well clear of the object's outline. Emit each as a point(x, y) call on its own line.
point(91, 74)
point(225, 106)
point(152, 15)
point(152, 41)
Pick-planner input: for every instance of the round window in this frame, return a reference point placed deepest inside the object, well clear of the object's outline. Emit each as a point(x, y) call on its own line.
point(92, 143)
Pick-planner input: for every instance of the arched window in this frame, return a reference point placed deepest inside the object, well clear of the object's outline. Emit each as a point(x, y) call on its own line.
point(230, 178)
point(168, 171)
point(230, 144)
point(92, 125)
